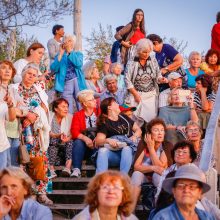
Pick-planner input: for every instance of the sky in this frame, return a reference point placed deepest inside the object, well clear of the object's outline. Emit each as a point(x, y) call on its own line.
point(187, 20)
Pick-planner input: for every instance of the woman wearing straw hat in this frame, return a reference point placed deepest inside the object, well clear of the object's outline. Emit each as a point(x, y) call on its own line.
point(187, 187)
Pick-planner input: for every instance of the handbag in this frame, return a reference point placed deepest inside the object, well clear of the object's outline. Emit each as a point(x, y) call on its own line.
point(24, 157)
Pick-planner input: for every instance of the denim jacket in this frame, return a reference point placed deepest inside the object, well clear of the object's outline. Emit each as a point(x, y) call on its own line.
point(172, 213)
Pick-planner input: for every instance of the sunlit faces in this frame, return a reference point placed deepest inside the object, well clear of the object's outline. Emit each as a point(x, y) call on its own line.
point(110, 193)
point(139, 16)
point(157, 133)
point(111, 85)
point(193, 133)
point(114, 107)
point(198, 85)
point(5, 72)
point(37, 55)
point(144, 54)
point(60, 32)
point(30, 76)
point(187, 192)
point(176, 83)
point(182, 155)
point(157, 46)
point(175, 99)
point(117, 70)
point(90, 101)
point(62, 109)
point(195, 61)
point(213, 59)
point(69, 42)
point(13, 187)
point(95, 73)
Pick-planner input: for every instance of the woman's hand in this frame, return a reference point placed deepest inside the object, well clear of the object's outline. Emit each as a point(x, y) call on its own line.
point(190, 101)
point(158, 169)
point(126, 44)
point(6, 202)
point(163, 80)
point(8, 101)
point(133, 138)
point(137, 98)
point(64, 138)
point(172, 127)
point(88, 142)
point(32, 117)
point(112, 142)
point(149, 141)
point(61, 51)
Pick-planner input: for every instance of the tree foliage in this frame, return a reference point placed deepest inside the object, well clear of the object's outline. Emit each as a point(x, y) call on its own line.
point(19, 13)
point(99, 44)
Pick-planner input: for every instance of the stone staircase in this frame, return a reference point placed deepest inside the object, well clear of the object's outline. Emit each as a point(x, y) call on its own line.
point(68, 194)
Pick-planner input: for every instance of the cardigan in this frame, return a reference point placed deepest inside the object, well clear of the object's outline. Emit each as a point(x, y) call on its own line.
point(79, 122)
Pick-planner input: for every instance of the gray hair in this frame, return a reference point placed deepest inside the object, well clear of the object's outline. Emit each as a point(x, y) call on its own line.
point(83, 95)
point(18, 173)
point(30, 66)
point(193, 123)
point(88, 69)
point(143, 44)
point(114, 65)
point(72, 36)
point(193, 53)
point(110, 77)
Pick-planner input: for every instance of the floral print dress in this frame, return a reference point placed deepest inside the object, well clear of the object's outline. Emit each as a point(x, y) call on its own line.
point(31, 100)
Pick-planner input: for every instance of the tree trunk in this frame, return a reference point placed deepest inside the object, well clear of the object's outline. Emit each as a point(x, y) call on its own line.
point(77, 24)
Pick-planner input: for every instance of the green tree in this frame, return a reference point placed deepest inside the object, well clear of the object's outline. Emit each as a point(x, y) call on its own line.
point(99, 44)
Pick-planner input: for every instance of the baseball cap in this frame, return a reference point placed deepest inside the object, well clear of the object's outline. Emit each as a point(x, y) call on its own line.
point(126, 107)
point(174, 75)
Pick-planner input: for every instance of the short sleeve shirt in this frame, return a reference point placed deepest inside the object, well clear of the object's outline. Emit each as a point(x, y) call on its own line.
point(123, 126)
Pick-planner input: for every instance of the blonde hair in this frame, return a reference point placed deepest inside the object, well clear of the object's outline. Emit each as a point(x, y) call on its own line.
point(72, 36)
point(83, 95)
point(169, 99)
point(194, 53)
point(114, 65)
point(18, 173)
point(88, 68)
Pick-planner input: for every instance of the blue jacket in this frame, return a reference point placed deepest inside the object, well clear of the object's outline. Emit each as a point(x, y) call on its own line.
point(60, 67)
point(172, 213)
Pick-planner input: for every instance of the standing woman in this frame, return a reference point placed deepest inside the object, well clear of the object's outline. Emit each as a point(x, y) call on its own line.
point(131, 34)
point(35, 128)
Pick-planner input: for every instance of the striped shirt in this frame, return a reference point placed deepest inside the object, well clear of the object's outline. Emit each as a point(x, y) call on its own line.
point(198, 102)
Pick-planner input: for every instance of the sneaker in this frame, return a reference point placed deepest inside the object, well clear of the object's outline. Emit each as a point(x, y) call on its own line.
point(76, 173)
point(66, 172)
point(52, 174)
point(43, 199)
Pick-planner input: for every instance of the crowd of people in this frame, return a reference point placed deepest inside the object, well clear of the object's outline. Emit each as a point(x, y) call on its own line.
point(144, 115)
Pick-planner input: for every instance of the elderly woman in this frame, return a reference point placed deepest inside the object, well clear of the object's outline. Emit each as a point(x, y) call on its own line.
point(35, 127)
point(194, 135)
point(116, 69)
point(67, 66)
point(141, 78)
point(83, 124)
point(187, 187)
point(194, 70)
point(7, 72)
point(108, 197)
point(177, 115)
point(15, 201)
point(60, 136)
point(93, 81)
point(118, 134)
point(34, 54)
point(153, 156)
point(130, 34)
point(211, 67)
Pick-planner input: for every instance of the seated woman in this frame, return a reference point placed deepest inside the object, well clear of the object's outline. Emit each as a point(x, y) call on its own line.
point(116, 69)
point(15, 201)
point(93, 81)
point(204, 99)
point(194, 135)
point(187, 187)
point(60, 123)
point(182, 153)
point(114, 128)
point(153, 156)
point(211, 67)
point(83, 120)
point(176, 115)
point(194, 70)
point(109, 195)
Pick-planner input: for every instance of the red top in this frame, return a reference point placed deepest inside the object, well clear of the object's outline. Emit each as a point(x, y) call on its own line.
point(79, 122)
point(137, 36)
point(216, 37)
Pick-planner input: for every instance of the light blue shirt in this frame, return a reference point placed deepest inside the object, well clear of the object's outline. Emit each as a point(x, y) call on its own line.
point(119, 96)
point(32, 210)
point(191, 79)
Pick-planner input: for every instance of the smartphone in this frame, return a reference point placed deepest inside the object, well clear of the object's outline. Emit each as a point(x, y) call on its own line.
point(183, 95)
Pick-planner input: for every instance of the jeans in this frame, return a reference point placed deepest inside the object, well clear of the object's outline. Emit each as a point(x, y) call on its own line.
point(71, 89)
point(4, 158)
point(79, 151)
point(13, 153)
point(108, 158)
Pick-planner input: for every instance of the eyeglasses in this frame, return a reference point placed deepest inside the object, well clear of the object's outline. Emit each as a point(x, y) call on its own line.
point(107, 188)
point(183, 152)
point(182, 186)
point(196, 130)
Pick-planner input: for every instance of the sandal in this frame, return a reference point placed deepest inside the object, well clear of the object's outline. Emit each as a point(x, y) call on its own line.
point(43, 199)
